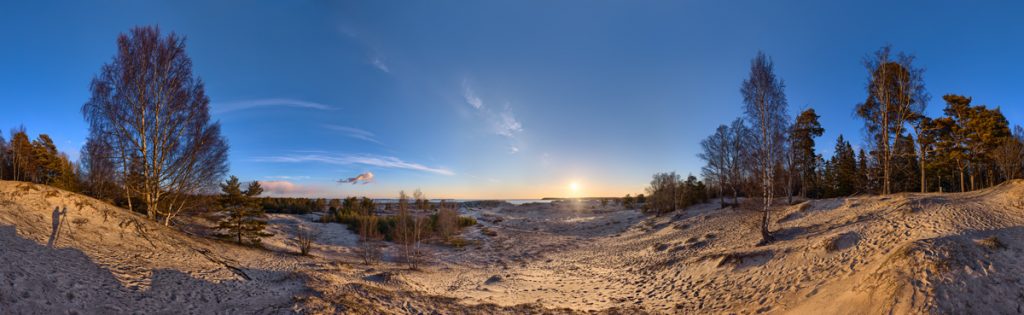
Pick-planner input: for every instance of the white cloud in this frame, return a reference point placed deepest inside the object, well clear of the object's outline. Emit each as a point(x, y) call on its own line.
point(225, 107)
point(364, 178)
point(354, 133)
point(283, 188)
point(362, 159)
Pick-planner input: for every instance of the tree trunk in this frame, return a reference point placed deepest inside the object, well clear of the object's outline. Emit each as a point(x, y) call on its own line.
point(721, 195)
point(962, 187)
point(920, 159)
point(972, 182)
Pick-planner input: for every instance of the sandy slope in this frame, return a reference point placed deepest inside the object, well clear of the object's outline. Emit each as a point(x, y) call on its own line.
point(908, 253)
point(905, 253)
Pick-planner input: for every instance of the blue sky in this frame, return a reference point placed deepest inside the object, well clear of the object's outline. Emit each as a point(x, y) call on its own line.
point(498, 99)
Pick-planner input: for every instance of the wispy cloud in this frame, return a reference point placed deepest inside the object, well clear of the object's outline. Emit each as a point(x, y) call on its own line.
point(286, 177)
point(361, 159)
point(507, 124)
point(503, 123)
point(376, 58)
point(355, 133)
point(378, 62)
point(471, 98)
point(225, 107)
point(364, 178)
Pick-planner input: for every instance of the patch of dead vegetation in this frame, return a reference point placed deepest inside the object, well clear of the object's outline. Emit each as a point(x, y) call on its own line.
point(991, 242)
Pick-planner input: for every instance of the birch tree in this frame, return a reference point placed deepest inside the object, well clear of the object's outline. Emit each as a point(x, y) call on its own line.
point(148, 107)
point(765, 105)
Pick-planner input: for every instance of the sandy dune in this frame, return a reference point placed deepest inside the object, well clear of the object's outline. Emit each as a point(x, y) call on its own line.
point(904, 253)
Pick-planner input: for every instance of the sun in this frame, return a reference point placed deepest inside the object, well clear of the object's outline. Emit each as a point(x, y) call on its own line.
point(574, 187)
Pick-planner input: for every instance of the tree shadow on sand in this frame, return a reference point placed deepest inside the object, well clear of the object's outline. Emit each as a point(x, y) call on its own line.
point(40, 279)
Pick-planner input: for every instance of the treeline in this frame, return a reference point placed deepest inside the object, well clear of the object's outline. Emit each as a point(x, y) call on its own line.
point(767, 154)
point(36, 161)
point(669, 192)
point(293, 205)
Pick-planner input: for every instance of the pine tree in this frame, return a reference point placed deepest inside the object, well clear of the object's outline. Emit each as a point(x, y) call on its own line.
point(968, 136)
point(896, 95)
point(802, 137)
point(844, 173)
point(863, 172)
point(242, 216)
point(905, 164)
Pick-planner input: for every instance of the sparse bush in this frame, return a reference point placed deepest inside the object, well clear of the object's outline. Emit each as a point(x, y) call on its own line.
point(458, 242)
point(369, 234)
point(628, 202)
point(446, 221)
point(466, 222)
point(304, 238)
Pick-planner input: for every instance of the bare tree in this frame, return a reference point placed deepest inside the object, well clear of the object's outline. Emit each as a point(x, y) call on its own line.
point(765, 106)
point(99, 170)
point(420, 199)
point(419, 231)
point(404, 232)
point(664, 192)
point(1009, 156)
point(716, 155)
point(369, 235)
point(788, 166)
point(896, 95)
point(739, 152)
point(149, 108)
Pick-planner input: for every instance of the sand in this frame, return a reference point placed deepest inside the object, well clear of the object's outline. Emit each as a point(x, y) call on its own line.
point(903, 253)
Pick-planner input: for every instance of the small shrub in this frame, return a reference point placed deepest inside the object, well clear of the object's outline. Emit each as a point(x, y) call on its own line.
point(79, 221)
point(466, 222)
point(457, 242)
point(304, 239)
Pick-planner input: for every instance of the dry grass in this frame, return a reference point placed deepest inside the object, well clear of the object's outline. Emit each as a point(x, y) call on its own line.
point(992, 243)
